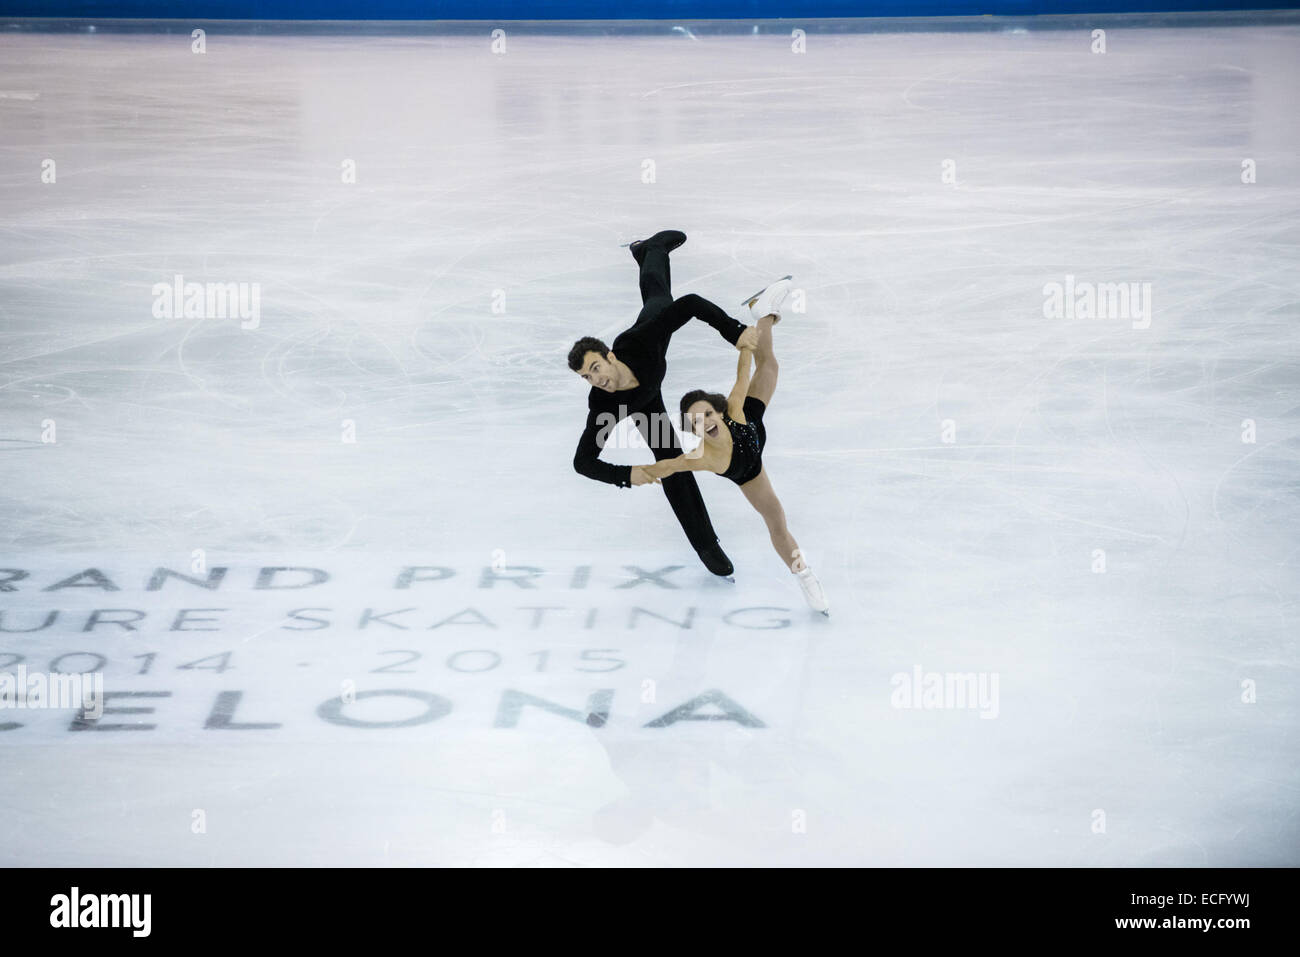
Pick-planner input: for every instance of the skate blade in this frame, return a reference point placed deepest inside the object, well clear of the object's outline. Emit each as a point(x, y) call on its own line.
point(752, 299)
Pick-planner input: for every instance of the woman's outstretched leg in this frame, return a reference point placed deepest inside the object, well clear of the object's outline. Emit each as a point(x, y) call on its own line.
point(766, 368)
point(762, 496)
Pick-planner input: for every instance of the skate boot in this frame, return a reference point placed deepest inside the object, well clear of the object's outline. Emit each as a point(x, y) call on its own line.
point(812, 588)
point(716, 561)
point(769, 300)
point(670, 239)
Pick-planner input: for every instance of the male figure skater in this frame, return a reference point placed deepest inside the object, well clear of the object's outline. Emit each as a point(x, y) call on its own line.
point(626, 379)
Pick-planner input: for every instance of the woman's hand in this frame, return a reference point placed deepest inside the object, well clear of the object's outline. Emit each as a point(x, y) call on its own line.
point(641, 476)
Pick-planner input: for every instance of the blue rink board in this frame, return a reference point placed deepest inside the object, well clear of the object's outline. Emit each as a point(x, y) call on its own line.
point(500, 10)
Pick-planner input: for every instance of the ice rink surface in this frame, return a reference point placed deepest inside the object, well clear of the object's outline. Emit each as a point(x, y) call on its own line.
point(1096, 517)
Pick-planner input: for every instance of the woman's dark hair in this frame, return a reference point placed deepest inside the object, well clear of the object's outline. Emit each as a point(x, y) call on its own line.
point(582, 347)
point(715, 399)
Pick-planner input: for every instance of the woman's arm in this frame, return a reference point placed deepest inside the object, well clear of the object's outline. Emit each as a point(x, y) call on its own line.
point(736, 401)
point(682, 463)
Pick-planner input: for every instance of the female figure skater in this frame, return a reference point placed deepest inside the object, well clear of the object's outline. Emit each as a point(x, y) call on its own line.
point(732, 437)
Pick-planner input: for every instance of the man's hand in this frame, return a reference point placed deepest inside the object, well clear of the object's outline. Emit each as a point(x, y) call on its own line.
point(641, 476)
point(748, 339)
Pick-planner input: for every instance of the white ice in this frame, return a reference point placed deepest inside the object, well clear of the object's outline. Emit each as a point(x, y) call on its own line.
point(1146, 713)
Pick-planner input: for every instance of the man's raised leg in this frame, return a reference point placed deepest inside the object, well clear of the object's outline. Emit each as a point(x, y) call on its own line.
point(656, 276)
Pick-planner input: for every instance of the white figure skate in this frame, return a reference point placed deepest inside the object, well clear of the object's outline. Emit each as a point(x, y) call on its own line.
point(812, 588)
point(768, 300)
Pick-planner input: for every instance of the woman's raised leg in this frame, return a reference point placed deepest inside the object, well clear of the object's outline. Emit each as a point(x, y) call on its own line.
point(763, 384)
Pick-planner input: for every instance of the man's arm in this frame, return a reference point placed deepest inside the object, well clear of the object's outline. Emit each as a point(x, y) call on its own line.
point(691, 306)
point(586, 460)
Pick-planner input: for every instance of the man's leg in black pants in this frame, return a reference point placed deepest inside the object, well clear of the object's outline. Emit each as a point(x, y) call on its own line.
point(682, 490)
point(656, 281)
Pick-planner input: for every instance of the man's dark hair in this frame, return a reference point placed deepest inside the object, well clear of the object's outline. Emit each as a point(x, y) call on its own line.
point(715, 399)
point(582, 347)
